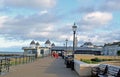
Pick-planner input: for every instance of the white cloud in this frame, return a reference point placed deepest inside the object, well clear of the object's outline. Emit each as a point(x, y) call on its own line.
point(43, 12)
point(11, 43)
point(100, 18)
point(39, 34)
point(1, 3)
point(2, 20)
point(99, 38)
point(112, 5)
point(49, 27)
point(31, 3)
point(41, 26)
point(5, 43)
point(42, 30)
point(94, 20)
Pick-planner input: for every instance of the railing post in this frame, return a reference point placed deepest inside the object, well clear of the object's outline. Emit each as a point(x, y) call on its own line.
point(19, 59)
point(5, 63)
point(23, 59)
point(26, 59)
point(30, 59)
point(8, 64)
point(33, 58)
point(15, 60)
point(0, 66)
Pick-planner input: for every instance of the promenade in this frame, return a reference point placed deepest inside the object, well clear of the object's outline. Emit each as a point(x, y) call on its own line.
point(45, 67)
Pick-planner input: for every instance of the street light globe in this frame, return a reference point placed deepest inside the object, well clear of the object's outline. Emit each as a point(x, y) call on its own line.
point(74, 27)
point(66, 40)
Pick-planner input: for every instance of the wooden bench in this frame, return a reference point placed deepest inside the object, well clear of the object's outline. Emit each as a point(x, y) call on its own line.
point(112, 71)
point(99, 70)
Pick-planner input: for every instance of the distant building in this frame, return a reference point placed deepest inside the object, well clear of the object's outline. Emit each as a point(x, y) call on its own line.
point(36, 49)
point(88, 45)
point(111, 48)
point(52, 45)
point(48, 43)
point(37, 44)
point(32, 44)
point(86, 48)
point(89, 48)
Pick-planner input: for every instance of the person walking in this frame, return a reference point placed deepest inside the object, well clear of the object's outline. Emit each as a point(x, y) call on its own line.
point(56, 55)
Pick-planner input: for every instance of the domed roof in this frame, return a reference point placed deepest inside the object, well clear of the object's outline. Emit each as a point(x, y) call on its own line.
point(32, 42)
point(53, 45)
point(88, 43)
point(37, 44)
point(48, 42)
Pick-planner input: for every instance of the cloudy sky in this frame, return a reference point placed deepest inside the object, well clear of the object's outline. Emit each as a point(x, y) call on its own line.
point(21, 21)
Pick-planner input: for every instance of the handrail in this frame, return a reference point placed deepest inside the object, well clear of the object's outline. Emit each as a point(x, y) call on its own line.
point(7, 61)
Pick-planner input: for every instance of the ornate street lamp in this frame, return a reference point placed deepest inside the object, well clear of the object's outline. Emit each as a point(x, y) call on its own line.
point(74, 28)
point(66, 44)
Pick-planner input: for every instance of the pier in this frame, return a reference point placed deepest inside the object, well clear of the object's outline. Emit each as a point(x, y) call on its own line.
point(44, 67)
point(49, 66)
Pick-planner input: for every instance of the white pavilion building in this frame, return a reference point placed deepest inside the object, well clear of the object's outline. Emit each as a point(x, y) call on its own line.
point(35, 48)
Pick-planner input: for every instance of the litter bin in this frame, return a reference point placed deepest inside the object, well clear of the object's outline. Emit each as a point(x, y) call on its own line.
point(68, 64)
point(72, 64)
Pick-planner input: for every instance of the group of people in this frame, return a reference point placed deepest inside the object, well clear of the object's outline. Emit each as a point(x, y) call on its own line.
point(55, 55)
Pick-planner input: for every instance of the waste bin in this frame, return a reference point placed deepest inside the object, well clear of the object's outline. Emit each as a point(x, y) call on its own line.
point(72, 64)
point(68, 64)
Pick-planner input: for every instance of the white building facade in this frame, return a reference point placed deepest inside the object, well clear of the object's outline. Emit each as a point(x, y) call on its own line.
point(111, 49)
point(36, 49)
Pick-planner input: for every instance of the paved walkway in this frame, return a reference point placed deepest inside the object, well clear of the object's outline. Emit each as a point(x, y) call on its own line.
point(46, 67)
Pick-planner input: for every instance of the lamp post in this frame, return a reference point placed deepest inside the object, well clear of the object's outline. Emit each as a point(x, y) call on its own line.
point(66, 45)
point(74, 28)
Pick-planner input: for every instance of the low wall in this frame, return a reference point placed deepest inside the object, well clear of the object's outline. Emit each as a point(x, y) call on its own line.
point(83, 56)
point(83, 69)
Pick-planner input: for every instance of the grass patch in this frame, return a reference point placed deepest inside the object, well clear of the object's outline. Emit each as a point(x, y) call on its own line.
point(88, 61)
point(95, 60)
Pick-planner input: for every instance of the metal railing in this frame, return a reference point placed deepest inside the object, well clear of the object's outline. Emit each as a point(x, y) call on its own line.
point(15, 60)
point(4, 65)
point(6, 62)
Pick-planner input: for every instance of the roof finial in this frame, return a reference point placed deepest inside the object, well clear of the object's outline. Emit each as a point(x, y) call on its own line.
point(74, 23)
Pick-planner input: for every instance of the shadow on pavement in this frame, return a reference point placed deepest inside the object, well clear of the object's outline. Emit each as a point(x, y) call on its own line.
point(58, 68)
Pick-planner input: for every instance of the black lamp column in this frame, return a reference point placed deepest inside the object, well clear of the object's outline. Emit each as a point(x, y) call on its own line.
point(74, 27)
point(66, 44)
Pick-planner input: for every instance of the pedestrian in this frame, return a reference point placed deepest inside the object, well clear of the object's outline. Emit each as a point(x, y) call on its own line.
point(56, 56)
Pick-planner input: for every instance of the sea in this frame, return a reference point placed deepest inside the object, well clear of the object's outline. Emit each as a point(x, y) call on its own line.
point(19, 53)
point(9, 53)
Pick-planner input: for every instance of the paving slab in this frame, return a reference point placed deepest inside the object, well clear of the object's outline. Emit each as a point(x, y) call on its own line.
point(45, 67)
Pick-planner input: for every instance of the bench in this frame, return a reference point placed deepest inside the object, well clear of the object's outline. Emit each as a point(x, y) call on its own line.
point(112, 71)
point(99, 70)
